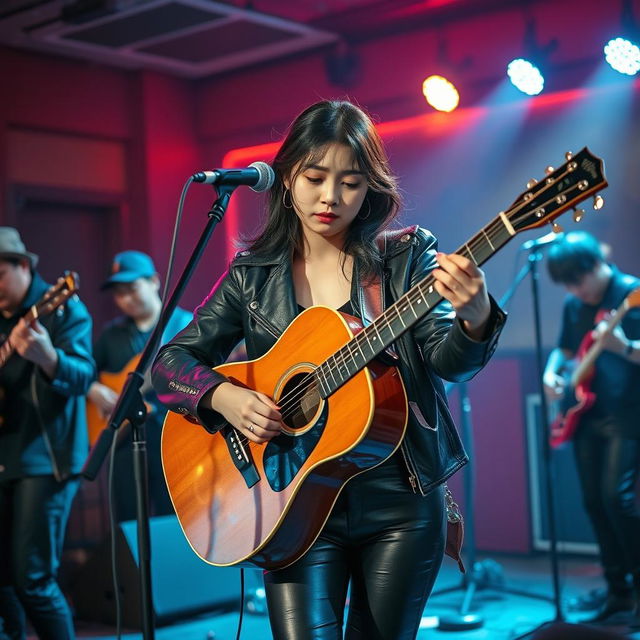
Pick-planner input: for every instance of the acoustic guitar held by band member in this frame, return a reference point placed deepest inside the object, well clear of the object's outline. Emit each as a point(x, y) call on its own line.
point(323, 457)
point(134, 285)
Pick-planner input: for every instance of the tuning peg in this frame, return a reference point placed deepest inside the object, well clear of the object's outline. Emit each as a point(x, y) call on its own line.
point(598, 202)
point(549, 170)
point(578, 214)
point(568, 155)
point(556, 227)
point(532, 183)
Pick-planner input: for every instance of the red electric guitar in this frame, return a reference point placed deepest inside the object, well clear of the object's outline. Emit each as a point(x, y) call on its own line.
point(345, 412)
point(579, 397)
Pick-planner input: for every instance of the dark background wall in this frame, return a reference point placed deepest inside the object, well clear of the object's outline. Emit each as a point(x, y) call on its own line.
point(92, 160)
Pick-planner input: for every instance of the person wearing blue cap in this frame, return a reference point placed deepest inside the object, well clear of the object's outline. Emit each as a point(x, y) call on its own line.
point(135, 286)
point(47, 369)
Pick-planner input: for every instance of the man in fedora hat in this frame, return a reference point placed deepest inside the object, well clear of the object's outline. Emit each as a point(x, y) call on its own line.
point(43, 442)
point(135, 286)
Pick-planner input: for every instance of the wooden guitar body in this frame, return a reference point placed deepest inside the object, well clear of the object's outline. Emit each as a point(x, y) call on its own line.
point(96, 421)
point(301, 472)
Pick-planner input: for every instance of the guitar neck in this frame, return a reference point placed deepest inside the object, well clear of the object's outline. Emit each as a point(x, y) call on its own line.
point(405, 312)
point(7, 349)
point(562, 188)
point(592, 354)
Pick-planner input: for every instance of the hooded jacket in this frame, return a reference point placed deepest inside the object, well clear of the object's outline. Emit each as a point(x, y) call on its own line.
point(255, 300)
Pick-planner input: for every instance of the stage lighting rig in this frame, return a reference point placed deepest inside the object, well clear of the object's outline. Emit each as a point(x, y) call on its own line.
point(439, 89)
point(527, 73)
point(623, 52)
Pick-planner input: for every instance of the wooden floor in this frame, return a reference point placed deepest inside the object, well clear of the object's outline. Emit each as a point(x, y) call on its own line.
point(514, 596)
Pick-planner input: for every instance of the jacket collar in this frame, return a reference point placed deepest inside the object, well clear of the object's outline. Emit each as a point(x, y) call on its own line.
point(397, 241)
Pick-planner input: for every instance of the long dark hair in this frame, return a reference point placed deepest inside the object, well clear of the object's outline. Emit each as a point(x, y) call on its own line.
point(323, 123)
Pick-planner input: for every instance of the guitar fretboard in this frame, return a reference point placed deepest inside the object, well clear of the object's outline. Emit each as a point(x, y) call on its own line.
point(404, 313)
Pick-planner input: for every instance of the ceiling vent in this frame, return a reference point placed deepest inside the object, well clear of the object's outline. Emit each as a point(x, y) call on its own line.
point(192, 38)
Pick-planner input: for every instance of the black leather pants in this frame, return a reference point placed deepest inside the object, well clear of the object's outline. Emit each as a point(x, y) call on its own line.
point(608, 466)
point(381, 539)
point(33, 518)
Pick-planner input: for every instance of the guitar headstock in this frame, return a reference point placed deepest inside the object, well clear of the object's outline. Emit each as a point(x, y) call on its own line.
point(563, 188)
point(66, 286)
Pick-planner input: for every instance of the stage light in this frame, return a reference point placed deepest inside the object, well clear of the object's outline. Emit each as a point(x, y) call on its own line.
point(525, 76)
point(440, 93)
point(623, 56)
point(623, 53)
point(439, 88)
point(526, 73)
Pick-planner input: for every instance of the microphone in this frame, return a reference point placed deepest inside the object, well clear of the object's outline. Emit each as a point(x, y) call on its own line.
point(552, 236)
point(258, 175)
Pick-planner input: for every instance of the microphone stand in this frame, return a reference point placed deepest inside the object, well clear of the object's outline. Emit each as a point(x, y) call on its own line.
point(534, 258)
point(131, 407)
point(480, 576)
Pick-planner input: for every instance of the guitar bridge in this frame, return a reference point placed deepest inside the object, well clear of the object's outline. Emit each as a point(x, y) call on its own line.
point(241, 456)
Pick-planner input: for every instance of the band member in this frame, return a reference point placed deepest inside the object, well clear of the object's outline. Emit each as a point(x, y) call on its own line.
point(333, 194)
point(135, 286)
point(607, 440)
point(43, 442)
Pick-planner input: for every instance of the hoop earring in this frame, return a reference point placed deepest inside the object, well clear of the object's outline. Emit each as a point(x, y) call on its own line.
point(368, 212)
point(284, 200)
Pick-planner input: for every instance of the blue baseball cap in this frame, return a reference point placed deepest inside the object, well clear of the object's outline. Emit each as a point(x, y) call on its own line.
point(129, 266)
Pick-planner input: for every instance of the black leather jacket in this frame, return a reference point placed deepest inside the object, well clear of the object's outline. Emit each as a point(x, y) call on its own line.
point(255, 300)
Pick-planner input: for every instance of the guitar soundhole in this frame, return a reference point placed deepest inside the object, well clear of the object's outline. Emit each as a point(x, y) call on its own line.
point(299, 401)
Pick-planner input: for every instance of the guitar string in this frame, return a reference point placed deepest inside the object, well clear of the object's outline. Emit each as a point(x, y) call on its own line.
point(493, 231)
point(340, 358)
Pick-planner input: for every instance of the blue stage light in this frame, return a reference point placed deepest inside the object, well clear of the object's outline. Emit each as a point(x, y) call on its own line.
point(623, 56)
point(525, 76)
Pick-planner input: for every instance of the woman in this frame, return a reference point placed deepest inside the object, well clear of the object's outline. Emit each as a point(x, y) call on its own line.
point(333, 196)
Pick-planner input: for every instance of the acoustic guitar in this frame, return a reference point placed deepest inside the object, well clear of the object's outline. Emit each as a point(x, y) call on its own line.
point(56, 296)
point(579, 398)
point(96, 420)
point(241, 503)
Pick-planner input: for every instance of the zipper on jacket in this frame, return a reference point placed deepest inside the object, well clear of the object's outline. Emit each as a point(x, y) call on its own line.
point(413, 475)
point(258, 318)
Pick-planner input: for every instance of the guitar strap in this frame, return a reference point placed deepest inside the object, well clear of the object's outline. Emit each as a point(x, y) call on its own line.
point(372, 305)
